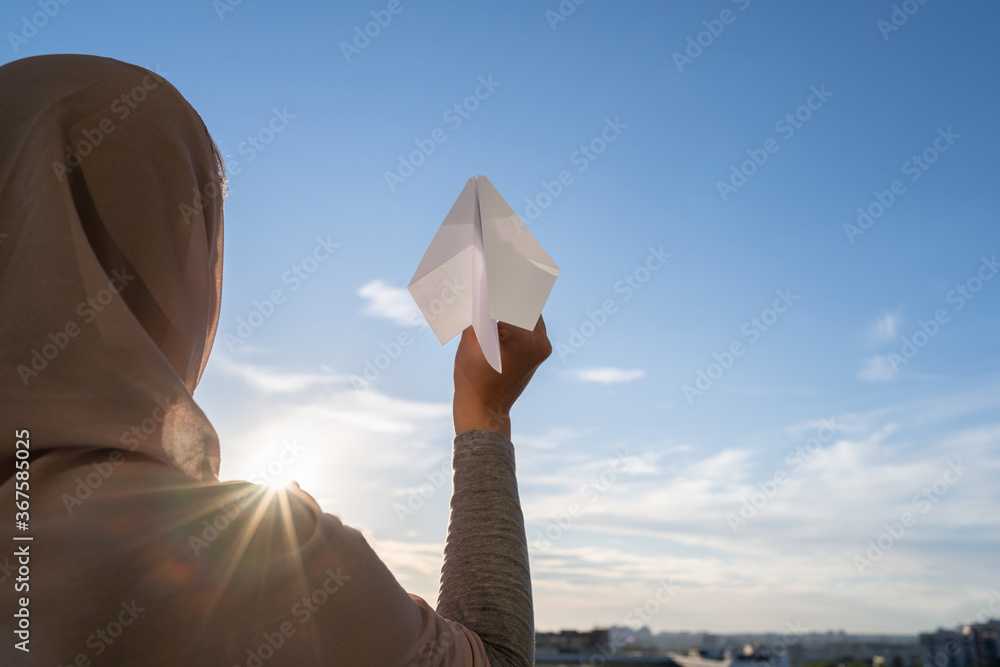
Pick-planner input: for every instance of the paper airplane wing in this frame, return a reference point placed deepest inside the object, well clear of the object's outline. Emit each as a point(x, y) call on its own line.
point(519, 273)
point(442, 285)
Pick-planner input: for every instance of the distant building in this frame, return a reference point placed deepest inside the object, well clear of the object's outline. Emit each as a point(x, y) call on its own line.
point(571, 641)
point(969, 646)
point(981, 639)
point(751, 655)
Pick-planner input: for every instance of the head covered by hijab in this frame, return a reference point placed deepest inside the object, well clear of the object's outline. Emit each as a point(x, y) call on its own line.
point(110, 262)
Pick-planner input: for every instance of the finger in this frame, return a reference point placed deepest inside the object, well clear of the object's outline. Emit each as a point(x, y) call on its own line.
point(540, 326)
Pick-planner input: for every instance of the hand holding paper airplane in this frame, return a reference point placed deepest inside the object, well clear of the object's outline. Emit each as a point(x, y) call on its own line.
point(483, 266)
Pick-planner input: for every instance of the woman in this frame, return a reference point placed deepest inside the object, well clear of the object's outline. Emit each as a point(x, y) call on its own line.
point(110, 281)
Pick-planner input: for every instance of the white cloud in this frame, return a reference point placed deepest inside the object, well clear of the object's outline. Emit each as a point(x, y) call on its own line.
point(416, 565)
point(886, 327)
point(391, 303)
point(270, 381)
point(552, 438)
point(876, 369)
point(403, 557)
point(607, 375)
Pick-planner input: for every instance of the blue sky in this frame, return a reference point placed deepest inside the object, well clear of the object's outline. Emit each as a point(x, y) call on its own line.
point(863, 394)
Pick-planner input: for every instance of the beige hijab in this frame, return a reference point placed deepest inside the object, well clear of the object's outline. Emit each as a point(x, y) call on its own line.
point(110, 262)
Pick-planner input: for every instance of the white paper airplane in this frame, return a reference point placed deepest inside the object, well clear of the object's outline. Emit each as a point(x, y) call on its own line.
point(483, 266)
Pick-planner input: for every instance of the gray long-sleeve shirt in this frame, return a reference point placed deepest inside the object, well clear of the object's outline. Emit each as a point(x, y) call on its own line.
point(485, 582)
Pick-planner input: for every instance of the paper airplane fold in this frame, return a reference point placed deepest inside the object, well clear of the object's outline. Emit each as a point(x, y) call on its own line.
point(483, 266)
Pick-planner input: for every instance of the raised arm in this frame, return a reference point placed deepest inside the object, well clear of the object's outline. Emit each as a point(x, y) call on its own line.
point(485, 581)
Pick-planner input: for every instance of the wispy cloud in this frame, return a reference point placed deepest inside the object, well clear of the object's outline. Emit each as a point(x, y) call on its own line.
point(552, 438)
point(389, 302)
point(876, 369)
point(608, 375)
point(886, 327)
point(271, 381)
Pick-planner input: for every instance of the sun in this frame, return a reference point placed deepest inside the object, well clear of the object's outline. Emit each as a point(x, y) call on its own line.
point(281, 484)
